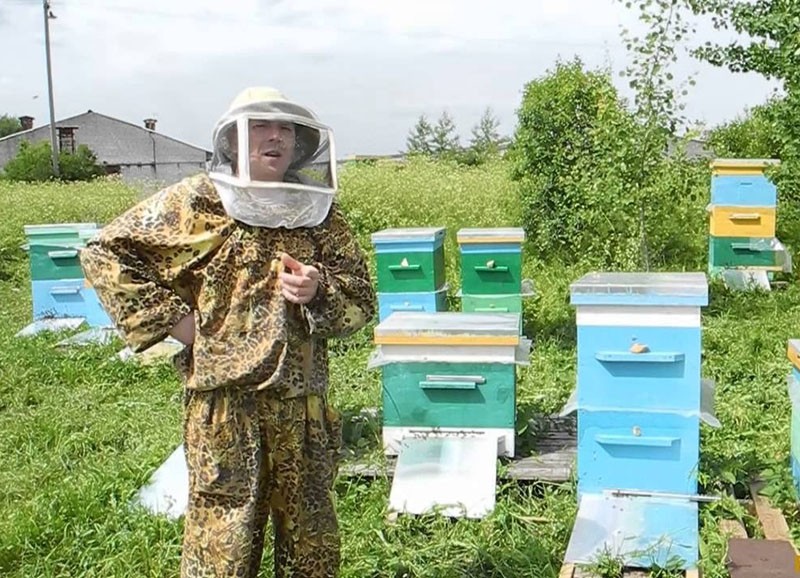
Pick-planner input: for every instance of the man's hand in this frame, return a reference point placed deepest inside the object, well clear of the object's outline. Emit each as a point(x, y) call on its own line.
point(300, 283)
point(184, 330)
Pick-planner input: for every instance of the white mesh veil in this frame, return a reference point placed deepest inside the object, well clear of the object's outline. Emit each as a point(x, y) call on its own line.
point(273, 162)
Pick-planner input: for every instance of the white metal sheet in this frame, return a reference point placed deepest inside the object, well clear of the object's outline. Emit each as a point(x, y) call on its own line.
point(455, 477)
point(51, 324)
point(641, 531)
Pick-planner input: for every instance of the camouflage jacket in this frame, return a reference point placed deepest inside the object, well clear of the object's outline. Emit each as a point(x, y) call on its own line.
point(178, 252)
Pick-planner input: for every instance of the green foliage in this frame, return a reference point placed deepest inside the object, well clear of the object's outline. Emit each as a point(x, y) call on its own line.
point(656, 109)
point(444, 137)
point(752, 135)
point(34, 163)
point(569, 121)
point(594, 175)
point(9, 125)
point(771, 47)
point(584, 171)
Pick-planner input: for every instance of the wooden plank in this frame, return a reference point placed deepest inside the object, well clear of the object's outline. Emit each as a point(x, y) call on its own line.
point(772, 520)
point(555, 451)
point(552, 467)
point(755, 558)
point(732, 529)
point(567, 571)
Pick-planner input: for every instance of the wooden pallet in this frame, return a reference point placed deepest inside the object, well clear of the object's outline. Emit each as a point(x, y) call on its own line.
point(554, 450)
point(749, 557)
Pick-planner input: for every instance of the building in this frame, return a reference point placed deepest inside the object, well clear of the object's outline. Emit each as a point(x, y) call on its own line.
point(136, 153)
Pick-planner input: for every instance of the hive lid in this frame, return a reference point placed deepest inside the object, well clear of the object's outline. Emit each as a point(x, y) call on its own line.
point(449, 328)
point(403, 235)
point(491, 235)
point(617, 288)
point(60, 229)
point(743, 163)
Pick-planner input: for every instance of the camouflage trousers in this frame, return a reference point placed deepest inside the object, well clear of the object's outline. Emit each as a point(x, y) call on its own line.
point(252, 457)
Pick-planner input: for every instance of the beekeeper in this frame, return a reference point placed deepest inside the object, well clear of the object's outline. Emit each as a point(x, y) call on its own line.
point(253, 267)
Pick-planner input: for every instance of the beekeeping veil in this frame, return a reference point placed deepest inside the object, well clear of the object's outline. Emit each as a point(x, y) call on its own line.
point(273, 161)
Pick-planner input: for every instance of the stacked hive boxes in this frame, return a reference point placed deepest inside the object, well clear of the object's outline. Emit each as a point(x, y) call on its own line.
point(742, 218)
point(640, 399)
point(793, 354)
point(449, 372)
point(491, 270)
point(449, 405)
point(410, 270)
point(58, 286)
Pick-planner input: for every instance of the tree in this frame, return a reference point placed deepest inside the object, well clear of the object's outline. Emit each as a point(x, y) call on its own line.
point(34, 163)
point(656, 107)
point(771, 47)
point(753, 134)
point(419, 140)
point(9, 125)
point(486, 140)
point(445, 141)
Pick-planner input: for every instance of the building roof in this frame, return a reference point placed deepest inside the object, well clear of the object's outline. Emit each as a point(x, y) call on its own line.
point(115, 141)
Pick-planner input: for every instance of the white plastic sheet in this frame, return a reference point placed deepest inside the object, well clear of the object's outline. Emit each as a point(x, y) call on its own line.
point(51, 324)
point(167, 490)
point(705, 412)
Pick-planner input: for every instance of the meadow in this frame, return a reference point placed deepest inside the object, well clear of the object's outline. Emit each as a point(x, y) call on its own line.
point(82, 431)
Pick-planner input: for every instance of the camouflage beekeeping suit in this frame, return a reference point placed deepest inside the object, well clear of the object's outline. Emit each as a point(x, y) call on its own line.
point(260, 438)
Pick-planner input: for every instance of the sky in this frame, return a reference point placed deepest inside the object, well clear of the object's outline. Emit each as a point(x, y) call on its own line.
point(367, 68)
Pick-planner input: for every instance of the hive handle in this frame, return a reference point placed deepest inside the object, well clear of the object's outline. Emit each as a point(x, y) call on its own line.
point(65, 290)
point(451, 381)
point(650, 357)
point(745, 217)
point(487, 269)
point(406, 307)
point(631, 440)
point(65, 254)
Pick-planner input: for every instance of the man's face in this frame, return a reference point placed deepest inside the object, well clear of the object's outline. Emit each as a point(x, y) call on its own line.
point(271, 149)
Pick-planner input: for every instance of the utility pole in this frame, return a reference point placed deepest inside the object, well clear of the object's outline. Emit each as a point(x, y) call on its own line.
point(53, 143)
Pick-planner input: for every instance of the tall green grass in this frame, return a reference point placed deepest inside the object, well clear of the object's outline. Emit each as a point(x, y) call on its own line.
point(82, 431)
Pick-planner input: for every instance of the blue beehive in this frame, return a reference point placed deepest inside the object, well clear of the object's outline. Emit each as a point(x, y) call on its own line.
point(639, 399)
point(58, 285)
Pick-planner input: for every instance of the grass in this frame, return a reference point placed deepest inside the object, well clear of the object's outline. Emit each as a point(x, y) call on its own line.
point(83, 431)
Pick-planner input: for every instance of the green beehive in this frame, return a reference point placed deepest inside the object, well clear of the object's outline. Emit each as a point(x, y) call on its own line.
point(491, 261)
point(737, 252)
point(410, 260)
point(50, 262)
